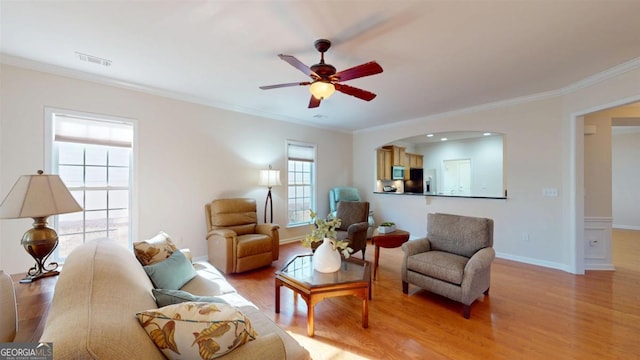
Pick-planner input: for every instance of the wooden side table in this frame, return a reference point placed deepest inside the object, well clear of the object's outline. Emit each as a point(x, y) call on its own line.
point(388, 240)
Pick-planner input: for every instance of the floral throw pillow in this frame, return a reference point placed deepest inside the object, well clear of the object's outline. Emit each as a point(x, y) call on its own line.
point(154, 250)
point(197, 330)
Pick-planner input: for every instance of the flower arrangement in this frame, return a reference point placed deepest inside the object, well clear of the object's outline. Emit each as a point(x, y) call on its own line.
point(326, 228)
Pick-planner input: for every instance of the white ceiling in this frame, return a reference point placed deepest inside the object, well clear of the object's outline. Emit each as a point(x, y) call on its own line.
point(437, 56)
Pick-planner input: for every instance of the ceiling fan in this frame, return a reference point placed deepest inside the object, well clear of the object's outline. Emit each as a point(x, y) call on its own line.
point(325, 79)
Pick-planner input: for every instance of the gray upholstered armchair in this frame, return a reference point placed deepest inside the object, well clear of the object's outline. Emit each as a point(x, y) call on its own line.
point(348, 193)
point(454, 260)
point(354, 224)
point(235, 240)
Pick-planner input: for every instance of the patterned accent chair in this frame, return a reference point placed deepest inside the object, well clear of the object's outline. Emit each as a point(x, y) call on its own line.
point(354, 224)
point(454, 260)
point(235, 241)
point(348, 193)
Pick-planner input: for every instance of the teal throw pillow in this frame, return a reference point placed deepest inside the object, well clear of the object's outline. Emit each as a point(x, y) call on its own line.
point(171, 273)
point(166, 297)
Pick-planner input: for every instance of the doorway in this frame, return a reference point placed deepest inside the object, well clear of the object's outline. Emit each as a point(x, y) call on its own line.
point(605, 206)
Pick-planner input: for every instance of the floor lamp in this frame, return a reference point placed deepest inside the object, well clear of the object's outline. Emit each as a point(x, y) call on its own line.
point(38, 197)
point(269, 178)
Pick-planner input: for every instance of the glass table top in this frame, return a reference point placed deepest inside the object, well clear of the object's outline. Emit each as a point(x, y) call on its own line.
point(300, 268)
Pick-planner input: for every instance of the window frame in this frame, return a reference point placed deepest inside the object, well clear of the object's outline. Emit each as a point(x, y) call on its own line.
point(50, 166)
point(313, 179)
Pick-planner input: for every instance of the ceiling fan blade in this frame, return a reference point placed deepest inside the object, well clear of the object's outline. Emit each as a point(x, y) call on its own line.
point(293, 61)
point(366, 69)
point(353, 91)
point(267, 87)
point(314, 103)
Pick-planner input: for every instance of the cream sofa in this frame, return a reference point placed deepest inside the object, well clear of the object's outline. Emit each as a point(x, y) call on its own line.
point(101, 288)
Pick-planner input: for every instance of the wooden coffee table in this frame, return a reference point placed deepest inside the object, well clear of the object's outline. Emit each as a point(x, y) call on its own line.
point(353, 278)
point(387, 240)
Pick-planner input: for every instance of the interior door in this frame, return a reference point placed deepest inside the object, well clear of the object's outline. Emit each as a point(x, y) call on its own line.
point(457, 177)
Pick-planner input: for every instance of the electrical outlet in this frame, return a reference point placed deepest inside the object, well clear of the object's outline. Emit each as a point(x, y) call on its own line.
point(525, 237)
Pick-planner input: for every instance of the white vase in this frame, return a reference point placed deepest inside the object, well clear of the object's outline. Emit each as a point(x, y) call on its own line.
point(325, 259)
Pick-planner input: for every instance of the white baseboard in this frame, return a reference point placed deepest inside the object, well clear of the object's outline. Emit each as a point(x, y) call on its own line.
point(625, 227)
point(291, 239)
point(588, 266)
point(522, 259)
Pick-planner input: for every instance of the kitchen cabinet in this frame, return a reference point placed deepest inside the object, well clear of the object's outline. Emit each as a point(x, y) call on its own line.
point(397, 154)
point(413, 161)
point(385, 158)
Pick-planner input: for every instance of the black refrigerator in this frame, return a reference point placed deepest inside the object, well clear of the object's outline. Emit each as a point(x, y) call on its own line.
point(415, 184)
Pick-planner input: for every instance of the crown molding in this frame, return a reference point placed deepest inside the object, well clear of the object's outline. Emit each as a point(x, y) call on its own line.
point(581, 84)
point(610, 73)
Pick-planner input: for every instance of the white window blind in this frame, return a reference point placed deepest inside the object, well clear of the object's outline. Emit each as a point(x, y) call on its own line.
point(98, 132)
point(94, 158)
point(301, 182)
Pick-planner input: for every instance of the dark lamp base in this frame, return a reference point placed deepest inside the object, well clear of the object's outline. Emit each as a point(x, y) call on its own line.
point(39, 242)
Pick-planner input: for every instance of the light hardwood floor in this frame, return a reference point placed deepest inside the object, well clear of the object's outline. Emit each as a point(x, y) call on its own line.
point(531, 313)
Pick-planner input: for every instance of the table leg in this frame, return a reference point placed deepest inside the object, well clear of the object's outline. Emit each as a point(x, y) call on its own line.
point(375, 261)
point(310, 314)
point(278, 296)
point(365, 312)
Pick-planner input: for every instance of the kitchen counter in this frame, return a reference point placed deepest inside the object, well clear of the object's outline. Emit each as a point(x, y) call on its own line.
point(441, 195)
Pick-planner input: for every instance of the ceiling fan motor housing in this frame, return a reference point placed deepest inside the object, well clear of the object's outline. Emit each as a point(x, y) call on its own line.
point(323, 70)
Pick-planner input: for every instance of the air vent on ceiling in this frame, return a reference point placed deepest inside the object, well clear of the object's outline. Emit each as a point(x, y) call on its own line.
point(93, 59)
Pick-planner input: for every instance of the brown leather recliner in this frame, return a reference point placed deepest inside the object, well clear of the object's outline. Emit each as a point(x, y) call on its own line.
point(235, 241)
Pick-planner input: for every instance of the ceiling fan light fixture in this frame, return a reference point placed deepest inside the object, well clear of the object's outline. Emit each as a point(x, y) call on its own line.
point(321, 90)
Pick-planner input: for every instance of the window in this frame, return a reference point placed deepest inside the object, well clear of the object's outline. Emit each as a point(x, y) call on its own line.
point(301, 182)
point(94, 157)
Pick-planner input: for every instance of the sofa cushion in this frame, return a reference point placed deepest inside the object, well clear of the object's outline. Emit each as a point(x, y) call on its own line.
point(171, 273)
point(208, 282)
point(154, 250)
point(194, 330)
point(438, 264)
point(166, 297)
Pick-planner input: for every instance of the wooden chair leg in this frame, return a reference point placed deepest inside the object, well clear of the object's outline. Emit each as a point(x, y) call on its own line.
point(405, 287)
point(466, 311)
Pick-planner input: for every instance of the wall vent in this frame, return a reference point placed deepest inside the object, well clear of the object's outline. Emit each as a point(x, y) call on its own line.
point(93, 59)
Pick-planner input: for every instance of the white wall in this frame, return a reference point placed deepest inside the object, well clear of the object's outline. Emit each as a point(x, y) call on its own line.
point(625, 184)
point(188, 154)
point(541, 151)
